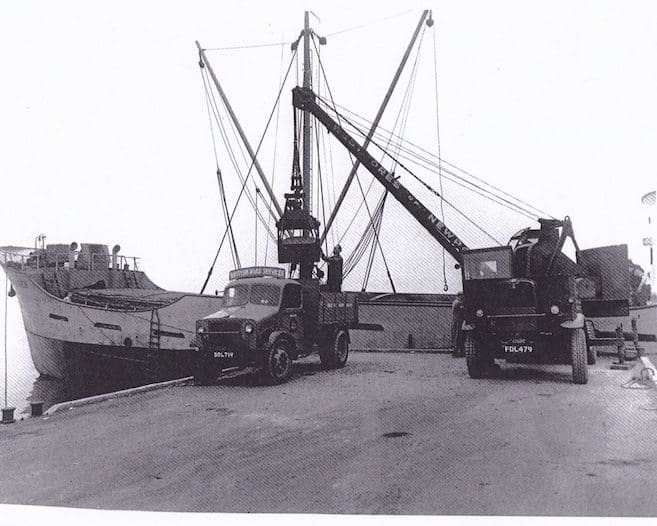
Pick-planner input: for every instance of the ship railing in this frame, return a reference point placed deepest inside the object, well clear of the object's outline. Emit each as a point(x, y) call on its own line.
point(40, 259)
point(117, 262)
point(15, 259)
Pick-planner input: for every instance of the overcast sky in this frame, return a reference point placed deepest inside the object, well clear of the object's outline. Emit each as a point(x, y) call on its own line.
point(105, 134)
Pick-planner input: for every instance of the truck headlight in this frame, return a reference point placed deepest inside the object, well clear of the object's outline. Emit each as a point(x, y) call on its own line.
point(554, 309)
point(200, 330)
point(479, 313)
point(248, 328)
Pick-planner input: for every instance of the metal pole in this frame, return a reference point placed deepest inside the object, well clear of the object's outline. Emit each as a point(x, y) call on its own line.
point(255, 256)
point(375, 124)
point(307, 151)
point(6, 375)
point(229, 108)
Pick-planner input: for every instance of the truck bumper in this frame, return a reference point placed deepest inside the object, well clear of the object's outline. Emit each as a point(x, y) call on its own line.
point(530, 347)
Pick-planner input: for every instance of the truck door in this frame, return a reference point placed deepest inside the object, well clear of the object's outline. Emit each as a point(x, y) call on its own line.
point(609, 267)
point(291, 319)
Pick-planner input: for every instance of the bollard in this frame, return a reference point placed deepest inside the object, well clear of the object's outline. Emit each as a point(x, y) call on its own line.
point(8, 415)
point(620, 343)
point(36, 408)
point(635, 337)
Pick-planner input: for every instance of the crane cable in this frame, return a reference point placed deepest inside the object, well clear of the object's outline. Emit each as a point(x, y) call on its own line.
point(401, 120)
point(427, 186)
point(533, 211)
point(328, 87)
point(230, 219)
point(462, 181)
point(440, 172)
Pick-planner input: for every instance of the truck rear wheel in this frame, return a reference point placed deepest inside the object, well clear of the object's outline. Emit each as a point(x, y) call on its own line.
point(278, 365)
point(473, 361)
point(579, 356)
point(335, 355)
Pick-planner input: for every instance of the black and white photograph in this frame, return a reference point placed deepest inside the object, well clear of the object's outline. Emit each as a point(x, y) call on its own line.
point(353, 261)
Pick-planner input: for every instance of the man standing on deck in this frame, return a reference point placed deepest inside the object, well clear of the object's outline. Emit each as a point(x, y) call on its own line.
point(334, 263)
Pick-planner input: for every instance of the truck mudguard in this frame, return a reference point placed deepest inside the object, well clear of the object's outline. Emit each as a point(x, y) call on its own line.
point(577, 323)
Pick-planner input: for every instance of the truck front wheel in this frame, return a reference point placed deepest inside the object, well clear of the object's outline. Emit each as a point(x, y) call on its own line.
point(335, 355)
point(579, 357)
point(278, 365)
point(473, 361)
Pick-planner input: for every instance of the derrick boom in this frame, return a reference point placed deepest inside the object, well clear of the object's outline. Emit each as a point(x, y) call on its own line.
point(305, 99)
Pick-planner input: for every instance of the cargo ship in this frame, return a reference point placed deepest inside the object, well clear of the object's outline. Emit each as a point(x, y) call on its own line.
point(88, 312)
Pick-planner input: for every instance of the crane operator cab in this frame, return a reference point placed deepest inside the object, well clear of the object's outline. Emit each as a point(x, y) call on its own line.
point(526, 302)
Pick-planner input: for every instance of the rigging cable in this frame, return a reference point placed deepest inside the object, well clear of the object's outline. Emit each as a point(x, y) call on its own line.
point(231, 156)
point(247, 46)
point(255, 244)
point(318, 137)
point(367, 24)
point(321, 186)
point(440, 172)
point(362, 244)
point(370, 261)
point(222, 194)
point(461, 181)
point(360, 186)
point(401, 120)
point(230, 219)
point(427, 186)
point(429, 163)
point(273, 169)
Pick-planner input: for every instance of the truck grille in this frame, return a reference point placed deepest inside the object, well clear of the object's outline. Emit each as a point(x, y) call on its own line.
point(225, 326)
point(516, 297)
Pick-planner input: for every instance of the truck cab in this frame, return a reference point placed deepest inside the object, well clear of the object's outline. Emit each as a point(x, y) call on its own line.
point(267, 321)
point(526, 302)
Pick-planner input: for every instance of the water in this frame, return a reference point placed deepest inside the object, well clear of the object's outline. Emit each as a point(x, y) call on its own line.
point(23, 382)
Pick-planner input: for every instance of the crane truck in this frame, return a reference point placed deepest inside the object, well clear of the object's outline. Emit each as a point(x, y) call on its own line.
point(526, 301)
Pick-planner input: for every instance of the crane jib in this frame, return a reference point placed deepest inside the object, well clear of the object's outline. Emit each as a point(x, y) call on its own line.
point(304, 99)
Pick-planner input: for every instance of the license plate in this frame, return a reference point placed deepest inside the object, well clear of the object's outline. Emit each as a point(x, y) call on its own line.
point(519, 349)
point(223, 354)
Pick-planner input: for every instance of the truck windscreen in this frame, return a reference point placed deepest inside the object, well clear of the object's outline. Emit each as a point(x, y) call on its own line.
point(487, 264)
point(236, 295)
point(265, 295)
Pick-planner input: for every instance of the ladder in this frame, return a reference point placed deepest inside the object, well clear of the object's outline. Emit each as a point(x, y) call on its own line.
point(152, 367)
point(154, 336)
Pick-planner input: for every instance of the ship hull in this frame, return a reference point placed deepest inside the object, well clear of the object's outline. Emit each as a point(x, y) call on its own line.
point(68, 338)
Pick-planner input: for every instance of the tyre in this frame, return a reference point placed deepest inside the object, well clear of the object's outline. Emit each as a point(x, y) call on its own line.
point(277, 368)
point(204, 373)
point(579, 356)
point(335, 355)
point(473, 361)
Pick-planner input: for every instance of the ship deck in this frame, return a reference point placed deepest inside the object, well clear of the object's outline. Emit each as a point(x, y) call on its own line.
point(126, 299)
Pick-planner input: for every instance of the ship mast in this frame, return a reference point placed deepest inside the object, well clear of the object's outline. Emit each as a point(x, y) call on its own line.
point(306, 141)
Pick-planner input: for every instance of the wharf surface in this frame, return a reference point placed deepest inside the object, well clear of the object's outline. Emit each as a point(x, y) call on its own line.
point(388, 434)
